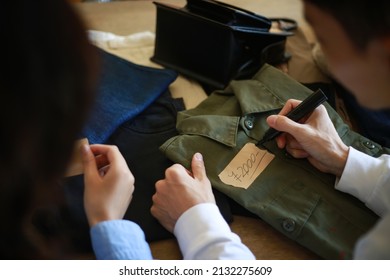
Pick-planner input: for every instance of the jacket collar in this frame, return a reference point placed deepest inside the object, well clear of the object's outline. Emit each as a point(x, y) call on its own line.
point(218, 117)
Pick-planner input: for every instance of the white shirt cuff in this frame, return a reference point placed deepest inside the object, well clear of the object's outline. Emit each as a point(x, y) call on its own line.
point(363, 175)
point(202, 233)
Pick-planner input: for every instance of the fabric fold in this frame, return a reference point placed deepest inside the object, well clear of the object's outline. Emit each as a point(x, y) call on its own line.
point(124, 90)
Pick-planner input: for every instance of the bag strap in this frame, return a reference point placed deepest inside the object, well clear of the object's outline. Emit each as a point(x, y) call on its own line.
point(227, 14)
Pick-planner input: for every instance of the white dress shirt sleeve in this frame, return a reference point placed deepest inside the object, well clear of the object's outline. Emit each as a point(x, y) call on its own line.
point(368, 179)
point(203, 234)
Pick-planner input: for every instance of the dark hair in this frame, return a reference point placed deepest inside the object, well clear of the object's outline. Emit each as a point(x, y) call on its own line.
point(46, 86)
point(362, 20)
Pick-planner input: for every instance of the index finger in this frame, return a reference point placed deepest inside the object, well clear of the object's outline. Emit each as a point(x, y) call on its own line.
point(290, 104)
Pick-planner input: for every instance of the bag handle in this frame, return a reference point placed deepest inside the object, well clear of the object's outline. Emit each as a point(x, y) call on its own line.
point(227, 14)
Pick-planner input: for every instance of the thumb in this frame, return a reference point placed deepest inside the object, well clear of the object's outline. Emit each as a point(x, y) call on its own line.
point(284, 124)
point(89, 161)
point(197, 166)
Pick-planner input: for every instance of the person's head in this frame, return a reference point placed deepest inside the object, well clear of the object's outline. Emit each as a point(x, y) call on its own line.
point(355, 38)
point(46, 86)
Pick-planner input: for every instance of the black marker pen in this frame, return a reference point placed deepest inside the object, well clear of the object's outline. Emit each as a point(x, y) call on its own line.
point(303, 109)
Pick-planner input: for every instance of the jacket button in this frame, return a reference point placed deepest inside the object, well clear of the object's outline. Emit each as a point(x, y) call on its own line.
point(288, 225)
point(369, 144)
point(248, 123)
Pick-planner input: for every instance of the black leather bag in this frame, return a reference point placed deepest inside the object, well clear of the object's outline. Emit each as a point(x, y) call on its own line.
point(213, 42)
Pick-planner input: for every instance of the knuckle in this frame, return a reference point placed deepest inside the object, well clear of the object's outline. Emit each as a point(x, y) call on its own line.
point(153, 210)
point(158, 185)
point(154, 199)
point(173, 170)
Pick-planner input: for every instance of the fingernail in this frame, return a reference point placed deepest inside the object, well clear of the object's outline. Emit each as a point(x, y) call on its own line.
point(199, 156)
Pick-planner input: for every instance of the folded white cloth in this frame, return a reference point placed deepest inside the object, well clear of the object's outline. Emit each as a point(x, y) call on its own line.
point(113, 41)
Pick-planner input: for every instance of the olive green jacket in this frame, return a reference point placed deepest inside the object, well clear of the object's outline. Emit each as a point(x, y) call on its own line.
point(290, 194)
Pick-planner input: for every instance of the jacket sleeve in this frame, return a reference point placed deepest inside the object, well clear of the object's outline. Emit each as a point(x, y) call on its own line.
point(119, 240)
point(203, 234)
point(368, 179)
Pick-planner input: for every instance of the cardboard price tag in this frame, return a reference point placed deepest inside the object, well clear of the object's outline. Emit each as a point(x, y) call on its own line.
point(246, 166)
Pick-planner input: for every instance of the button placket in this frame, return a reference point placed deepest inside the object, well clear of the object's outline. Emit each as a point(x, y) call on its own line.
point(369, 145)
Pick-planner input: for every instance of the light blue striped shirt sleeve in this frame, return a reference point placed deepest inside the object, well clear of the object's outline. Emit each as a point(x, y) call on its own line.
point(119, 240)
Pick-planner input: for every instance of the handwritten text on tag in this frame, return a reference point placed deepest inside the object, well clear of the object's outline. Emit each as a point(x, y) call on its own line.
point(246, 166)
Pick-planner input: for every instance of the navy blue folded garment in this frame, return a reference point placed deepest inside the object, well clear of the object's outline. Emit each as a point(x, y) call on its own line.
point(124, 90)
